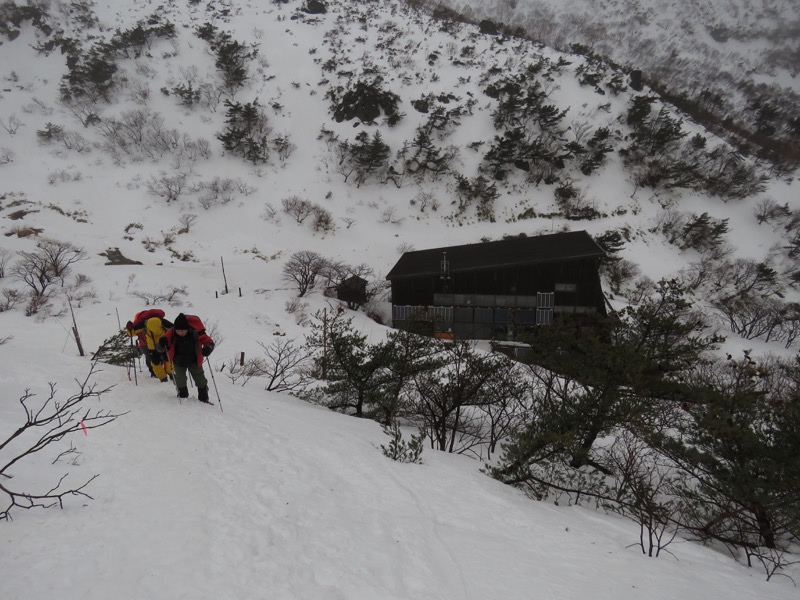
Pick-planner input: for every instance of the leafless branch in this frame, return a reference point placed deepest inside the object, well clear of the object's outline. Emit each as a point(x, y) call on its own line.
point(50, 422)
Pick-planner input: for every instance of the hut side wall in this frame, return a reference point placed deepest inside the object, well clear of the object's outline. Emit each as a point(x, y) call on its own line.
point(516, 280)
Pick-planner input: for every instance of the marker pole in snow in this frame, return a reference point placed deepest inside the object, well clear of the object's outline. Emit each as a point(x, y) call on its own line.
point(214, 381)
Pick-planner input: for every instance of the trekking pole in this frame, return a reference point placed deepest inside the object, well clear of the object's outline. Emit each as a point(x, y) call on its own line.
point(214, 381)
point(119, 324)
point(171, 376)
point(175, 385)
point(133, 362)
point(130, 363)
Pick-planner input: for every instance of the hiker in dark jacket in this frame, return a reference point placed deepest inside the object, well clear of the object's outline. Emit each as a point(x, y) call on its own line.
point(186, 345)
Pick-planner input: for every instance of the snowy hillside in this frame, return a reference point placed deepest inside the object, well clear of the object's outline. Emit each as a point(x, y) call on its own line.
point(276, 498)
point(736, 60)
point(265, 495)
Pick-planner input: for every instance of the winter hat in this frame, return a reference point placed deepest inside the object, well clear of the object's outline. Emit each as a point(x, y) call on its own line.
point(181, 322)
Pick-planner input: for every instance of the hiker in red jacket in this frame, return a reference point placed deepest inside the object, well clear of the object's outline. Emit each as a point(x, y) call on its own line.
point(186, 345)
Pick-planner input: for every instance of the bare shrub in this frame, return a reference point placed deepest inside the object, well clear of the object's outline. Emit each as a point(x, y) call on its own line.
point(753, 317)
point(299, 310)
point(767, 211)
point(191, 151)
point(140, 134)
point(336, 271)
point(11, 124)
point(9, 298)
point(219, 190)
point(297, 208)
point(640, 288)
point(643, 492)
point(213, 330)
point(73, 140)
point(244, 371)
point(63, 176)
point(186, 222)
point(83, 108)
point(44, 427)
point(38, 303)
point(145, 70)
point(245, 189)
point(211, 95)
point(38, 106)
point(283, 147)
point(389, 215)
point(172, 296)
point(404, 247)
point(424, 200)
point(150, 244)
point(169, 187)
point(270, 213)
point(78, 290)
point(620, 273)
point(138, 91)
point(323, 220)
point(287, 365)
point(574, 203)
point(50, 263)
point(284, 366)
point(7, 155)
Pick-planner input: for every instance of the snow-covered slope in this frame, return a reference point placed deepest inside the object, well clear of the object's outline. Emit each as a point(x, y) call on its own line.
point(275, 498)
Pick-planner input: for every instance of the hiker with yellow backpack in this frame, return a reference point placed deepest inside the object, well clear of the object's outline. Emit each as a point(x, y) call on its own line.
point(149, 326)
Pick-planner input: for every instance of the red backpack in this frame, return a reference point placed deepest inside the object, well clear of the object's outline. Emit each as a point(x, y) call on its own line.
point(195, 323)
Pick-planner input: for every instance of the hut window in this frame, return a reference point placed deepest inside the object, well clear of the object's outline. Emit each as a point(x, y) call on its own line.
point(545, 300)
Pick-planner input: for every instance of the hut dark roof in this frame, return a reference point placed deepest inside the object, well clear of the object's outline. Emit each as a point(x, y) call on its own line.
point(554, 247)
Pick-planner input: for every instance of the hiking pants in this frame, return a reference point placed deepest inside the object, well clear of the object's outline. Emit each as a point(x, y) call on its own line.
point(196, 372)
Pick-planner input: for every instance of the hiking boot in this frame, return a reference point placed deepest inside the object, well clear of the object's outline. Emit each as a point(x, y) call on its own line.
point(202, 394)
point(183, 392)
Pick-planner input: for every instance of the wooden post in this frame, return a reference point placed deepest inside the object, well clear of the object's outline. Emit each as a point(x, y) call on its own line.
point(324, 344)
point(78, 341)
point(75, 329)
point(241, 360)
point(224, 278)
